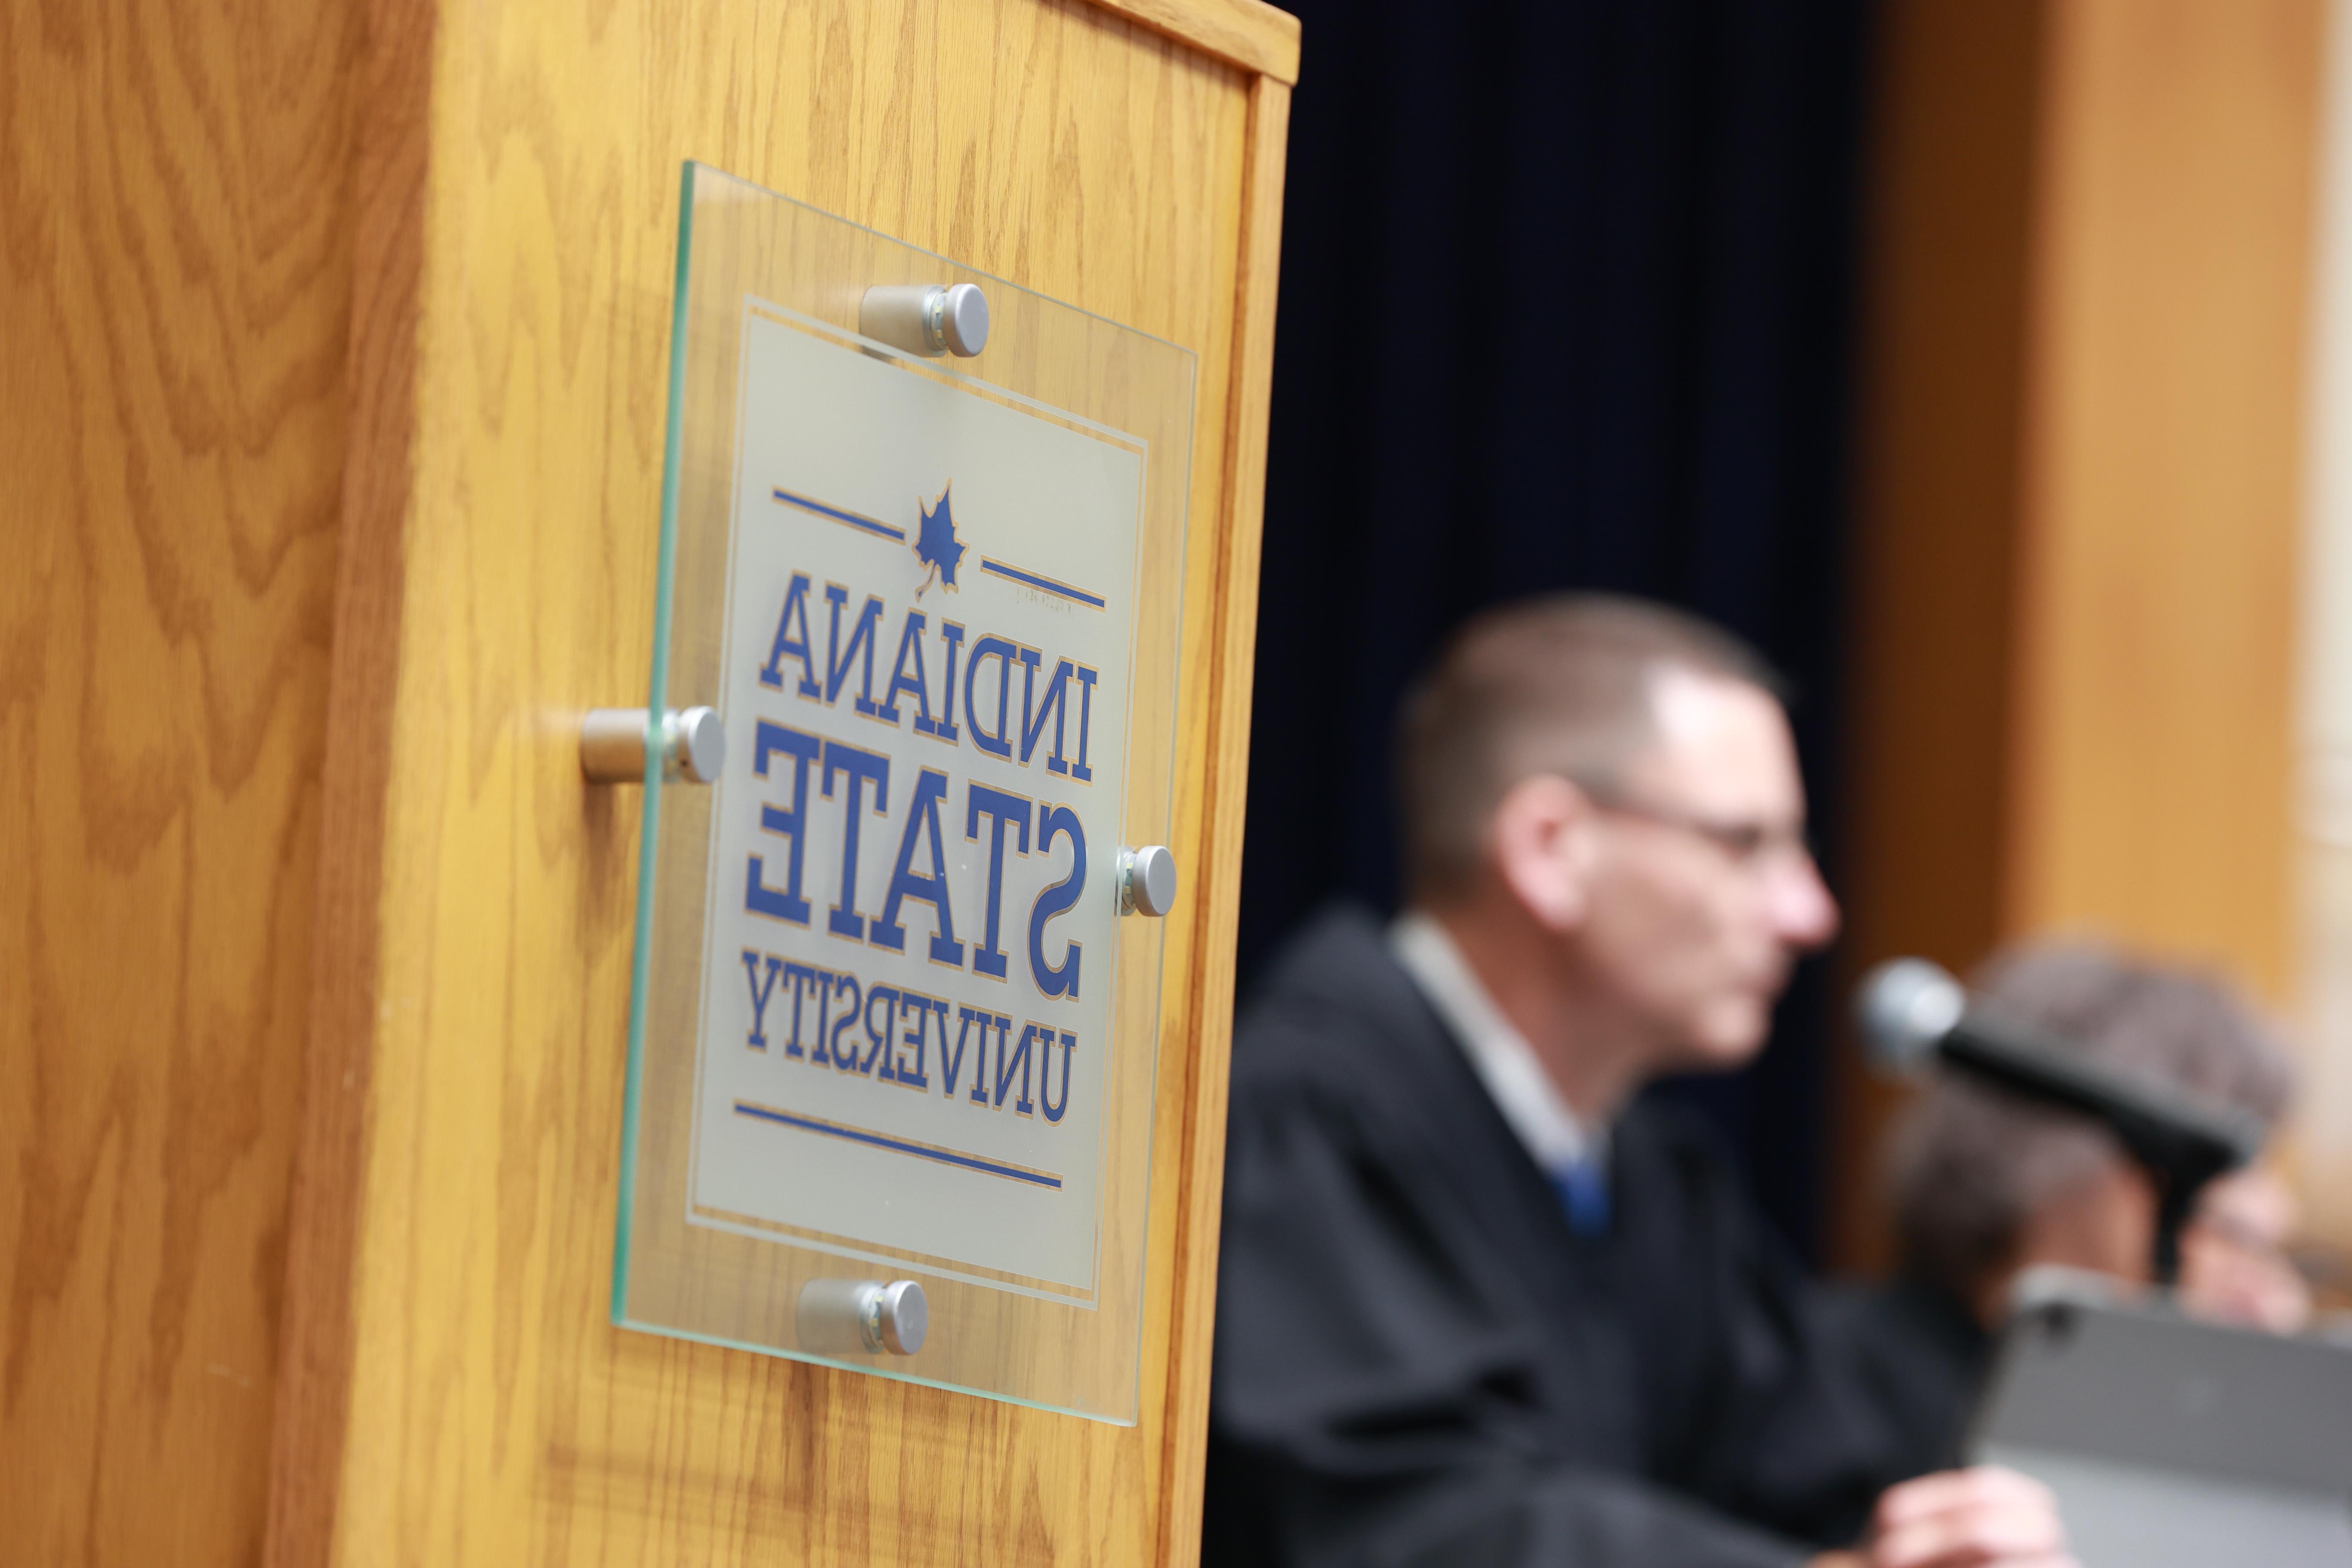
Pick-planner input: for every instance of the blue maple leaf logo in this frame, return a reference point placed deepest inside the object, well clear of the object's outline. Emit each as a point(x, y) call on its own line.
point(936, 546)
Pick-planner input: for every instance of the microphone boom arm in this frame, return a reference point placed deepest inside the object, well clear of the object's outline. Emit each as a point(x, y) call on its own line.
point(2182, 1142)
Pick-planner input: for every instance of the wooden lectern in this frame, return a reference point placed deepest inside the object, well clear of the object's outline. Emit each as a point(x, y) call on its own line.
point(332, 439)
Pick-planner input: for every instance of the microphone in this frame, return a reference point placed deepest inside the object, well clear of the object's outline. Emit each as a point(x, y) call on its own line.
point(1912, 1011)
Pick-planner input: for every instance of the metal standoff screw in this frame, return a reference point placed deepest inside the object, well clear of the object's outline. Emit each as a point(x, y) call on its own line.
point(612, 745)
point(1146, 880)
point(927, 319)
point(863, 1317)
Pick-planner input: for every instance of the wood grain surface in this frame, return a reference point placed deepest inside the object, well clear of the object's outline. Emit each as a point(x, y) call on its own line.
point(1218, 742)
point(2160, 519)
point(387, 204)
point(1246, 32)
point(463, 1398)
point(1932, 575)
point(174, 293)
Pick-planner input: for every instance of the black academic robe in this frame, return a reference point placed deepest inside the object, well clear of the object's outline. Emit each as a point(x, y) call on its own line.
point(1417, 1362)
point(1919, 1360)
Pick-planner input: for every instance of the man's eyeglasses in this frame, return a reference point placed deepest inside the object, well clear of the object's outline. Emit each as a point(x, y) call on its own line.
point(1742, 843)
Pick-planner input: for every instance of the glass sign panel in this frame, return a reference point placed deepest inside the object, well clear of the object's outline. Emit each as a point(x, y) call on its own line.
point(889, 1020)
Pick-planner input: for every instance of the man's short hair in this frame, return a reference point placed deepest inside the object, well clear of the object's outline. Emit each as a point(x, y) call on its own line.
point(1972, 1163)
point(1555, 685)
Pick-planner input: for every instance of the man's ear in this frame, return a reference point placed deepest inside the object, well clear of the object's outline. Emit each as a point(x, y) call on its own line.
point(1542, 845)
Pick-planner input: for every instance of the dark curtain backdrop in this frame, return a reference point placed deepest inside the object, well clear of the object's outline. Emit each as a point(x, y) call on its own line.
point(1565, 302)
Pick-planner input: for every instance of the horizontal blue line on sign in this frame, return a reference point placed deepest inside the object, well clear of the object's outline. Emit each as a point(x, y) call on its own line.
point(1033, 581)
point(854, 520)
point(898, 1145)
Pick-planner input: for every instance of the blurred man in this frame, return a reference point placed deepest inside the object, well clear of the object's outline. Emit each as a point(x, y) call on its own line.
point(1477, 1306)
point(1988, 1185)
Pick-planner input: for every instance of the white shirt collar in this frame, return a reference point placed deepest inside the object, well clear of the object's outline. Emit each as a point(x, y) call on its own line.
point(1498, 1053)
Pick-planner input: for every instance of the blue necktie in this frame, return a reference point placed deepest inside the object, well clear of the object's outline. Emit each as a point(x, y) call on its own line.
point(1584, 1192)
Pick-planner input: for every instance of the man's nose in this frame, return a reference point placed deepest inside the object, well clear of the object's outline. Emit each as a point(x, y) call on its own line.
point(1804, 915)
